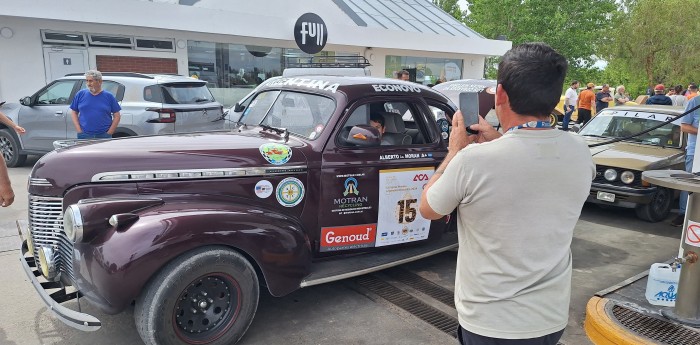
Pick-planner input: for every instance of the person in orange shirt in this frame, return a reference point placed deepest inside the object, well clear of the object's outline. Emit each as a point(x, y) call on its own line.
point(585, 104)
point(692, 91)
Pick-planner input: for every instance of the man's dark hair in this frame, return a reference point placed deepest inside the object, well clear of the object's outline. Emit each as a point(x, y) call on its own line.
point(574, 82)
point(678, 89)
point(378, 118)
point(403, 72)
point(693, 86)
point(532, 74)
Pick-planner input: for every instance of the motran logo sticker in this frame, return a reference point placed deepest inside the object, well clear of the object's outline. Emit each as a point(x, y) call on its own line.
point(348, 237)
point(310, 33)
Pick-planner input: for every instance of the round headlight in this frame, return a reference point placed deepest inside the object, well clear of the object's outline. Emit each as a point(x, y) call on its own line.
point(73, 223)
point(627, 177)
point(610, 175)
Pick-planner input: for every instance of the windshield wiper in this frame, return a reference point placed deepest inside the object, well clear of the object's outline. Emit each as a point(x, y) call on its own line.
point(200, 100)
point(594, 135)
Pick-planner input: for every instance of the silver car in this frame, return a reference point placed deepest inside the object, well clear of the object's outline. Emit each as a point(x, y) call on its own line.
point(151, 104)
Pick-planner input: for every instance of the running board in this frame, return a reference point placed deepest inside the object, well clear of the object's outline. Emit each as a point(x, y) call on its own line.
point(332, 270)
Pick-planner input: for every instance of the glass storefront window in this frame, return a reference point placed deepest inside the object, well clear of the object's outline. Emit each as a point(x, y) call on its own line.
point(426, 71)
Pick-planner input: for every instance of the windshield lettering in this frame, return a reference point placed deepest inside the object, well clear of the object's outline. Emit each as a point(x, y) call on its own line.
point(309, 83)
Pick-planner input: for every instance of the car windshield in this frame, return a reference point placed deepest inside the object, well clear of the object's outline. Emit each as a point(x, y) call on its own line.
point(300, 113)
point(623, 123)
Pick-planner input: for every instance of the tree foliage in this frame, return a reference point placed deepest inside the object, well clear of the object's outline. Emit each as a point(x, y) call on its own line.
point(575, 28)
point(656, 42)
point(451, 7)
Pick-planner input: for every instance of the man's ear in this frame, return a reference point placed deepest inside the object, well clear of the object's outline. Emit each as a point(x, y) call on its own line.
point(501, 96)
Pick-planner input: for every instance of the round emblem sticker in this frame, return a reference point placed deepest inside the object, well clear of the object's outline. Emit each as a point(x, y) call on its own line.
point(290, 192)
point(263, 189)
point(276, 154)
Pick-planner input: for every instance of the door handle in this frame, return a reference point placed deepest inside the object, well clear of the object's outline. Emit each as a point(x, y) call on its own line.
point(58, 113)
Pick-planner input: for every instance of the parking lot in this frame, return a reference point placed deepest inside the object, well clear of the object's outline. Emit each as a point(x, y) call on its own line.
point(407, 305)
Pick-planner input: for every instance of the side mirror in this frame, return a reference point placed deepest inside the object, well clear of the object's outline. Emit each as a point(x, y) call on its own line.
point(364, 135)
point(27, 101)
point(238, 108)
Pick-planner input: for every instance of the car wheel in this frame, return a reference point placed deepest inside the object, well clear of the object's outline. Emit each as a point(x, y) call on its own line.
point(9, 148)
point(553, 120)
point(121, 135)
point(659, 207)
point(207, 296)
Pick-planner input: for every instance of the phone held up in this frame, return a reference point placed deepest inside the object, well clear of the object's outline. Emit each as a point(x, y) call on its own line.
point(469, 106)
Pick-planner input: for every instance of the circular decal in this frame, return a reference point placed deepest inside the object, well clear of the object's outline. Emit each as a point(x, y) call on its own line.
point(263, 189)
point(310, 33)
point(444, 125)
point(290, 192)
point(276, 154)
point(445, 135)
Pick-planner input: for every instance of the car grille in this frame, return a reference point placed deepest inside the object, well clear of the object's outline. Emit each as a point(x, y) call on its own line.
point(600, 170)
point(46, 227)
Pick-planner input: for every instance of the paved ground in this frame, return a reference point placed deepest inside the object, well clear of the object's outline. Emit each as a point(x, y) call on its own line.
point(609, 246)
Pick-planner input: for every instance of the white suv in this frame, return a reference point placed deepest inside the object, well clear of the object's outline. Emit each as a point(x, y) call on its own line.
point(151, 104)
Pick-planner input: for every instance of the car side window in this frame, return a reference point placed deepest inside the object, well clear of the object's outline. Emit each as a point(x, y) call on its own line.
point(57, 93)
point(116, 89)
point(401, 126)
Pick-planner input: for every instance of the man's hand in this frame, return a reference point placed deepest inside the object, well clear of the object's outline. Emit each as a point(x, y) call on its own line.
point(458, 135)
point(19, 129)
point(486, 132)
point(7, 196)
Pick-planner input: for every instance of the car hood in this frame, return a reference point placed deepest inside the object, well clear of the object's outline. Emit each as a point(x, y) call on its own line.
point(80, 164)
point(635, 156)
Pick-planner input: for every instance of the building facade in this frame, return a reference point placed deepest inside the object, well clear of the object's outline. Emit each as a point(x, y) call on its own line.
point(233, 44)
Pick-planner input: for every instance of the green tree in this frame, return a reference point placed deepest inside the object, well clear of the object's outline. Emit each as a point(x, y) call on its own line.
point(655, 43)
point(575, 28)
point(451, 7)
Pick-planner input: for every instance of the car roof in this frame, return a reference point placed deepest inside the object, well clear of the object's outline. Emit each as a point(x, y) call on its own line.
point(140, 77)
point(662, 109)
point(352, 87)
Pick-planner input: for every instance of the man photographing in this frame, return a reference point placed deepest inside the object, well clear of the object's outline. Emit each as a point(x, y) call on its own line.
point(515, 224)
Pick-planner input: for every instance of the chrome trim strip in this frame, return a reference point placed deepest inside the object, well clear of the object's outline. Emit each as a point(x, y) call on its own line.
point(41, 182)
point(307, 283)
point(194, 174)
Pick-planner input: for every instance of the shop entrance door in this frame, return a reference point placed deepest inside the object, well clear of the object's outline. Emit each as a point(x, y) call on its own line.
point(59, 61)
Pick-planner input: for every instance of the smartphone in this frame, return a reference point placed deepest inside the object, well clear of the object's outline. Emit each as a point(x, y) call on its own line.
point(469, 106)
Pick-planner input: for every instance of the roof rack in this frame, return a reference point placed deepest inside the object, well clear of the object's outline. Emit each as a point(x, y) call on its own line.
point(116, 74)
point(338, 61)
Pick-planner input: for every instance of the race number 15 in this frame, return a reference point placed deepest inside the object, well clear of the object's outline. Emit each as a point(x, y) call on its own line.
point(407, 212)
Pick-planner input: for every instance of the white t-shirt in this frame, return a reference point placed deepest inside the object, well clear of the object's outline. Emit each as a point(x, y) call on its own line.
point(518, 199)
point(571, 97)
point(678, 100)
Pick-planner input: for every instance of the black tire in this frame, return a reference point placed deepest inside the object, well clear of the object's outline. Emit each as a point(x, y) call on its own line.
point(121, 135)
point(553, 120)
point(9, 148)
point(659, 207)
point(213, 290)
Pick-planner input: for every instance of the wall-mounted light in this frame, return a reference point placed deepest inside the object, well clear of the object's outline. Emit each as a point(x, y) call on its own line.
point(6, 32)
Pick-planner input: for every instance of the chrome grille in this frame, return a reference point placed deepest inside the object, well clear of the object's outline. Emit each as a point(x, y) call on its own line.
point(46, 227)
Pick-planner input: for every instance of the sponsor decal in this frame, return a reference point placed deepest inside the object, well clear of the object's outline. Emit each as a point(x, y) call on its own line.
point(276, 154)
point(395, 88)
point(445, 135)
point(640, 115)
point(304, 82)
point(290, 192)
point(351, 201)
point(405, 156)
point(444, 125)
point(263, 189)
point(310, 33)
point(348, 237)
point(399, 201)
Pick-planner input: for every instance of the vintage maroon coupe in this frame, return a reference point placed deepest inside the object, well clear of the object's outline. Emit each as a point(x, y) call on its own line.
point(302, 191)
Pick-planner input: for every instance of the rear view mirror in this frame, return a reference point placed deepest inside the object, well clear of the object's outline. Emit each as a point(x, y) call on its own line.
point(238, 108)
point(364, 135)
point(26, 101)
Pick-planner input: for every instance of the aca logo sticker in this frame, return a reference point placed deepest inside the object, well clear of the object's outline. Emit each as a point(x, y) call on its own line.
point(290, 192)
point(421, 177)
point(276, 154)
point(263, 189)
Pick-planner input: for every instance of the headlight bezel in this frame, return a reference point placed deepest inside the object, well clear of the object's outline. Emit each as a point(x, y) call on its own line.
point(47, 262)
point(73, 223)
point(610, 174)
point(629, 174)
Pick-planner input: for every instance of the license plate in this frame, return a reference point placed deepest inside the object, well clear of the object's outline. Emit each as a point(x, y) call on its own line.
point(606, 196)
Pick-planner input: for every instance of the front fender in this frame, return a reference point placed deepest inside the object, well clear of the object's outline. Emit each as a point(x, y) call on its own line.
point(113, 268)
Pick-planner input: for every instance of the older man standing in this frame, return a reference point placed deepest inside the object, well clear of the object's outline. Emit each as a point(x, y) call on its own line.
point(513, 278)
point(95, 112)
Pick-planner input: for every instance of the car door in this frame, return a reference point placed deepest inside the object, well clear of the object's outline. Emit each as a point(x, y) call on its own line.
point(371, 195)
point(48, 116)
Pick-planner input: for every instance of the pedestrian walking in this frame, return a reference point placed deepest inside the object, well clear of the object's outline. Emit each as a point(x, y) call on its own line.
point(95, 112)
point(570, 100)
point(585, 104)
point(513, 278)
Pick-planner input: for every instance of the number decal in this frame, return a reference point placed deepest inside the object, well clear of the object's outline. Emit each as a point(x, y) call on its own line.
point(407, 213)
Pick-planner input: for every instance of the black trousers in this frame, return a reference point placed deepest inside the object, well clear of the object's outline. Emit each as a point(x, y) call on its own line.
point(584, 115)
point(469, 338)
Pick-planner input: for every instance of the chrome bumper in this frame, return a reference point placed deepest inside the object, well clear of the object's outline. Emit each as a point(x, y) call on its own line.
point(78, 320)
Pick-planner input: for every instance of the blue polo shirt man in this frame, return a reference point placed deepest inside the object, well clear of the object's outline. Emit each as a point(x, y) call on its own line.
point(95, 112)
point(689, 124)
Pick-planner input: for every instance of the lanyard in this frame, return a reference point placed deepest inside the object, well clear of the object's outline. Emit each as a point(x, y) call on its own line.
point(532, 124)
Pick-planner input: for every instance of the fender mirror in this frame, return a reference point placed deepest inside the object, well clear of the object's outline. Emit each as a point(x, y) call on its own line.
point(238, 108)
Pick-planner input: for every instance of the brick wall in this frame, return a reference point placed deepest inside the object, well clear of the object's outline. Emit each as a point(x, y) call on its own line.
point(106, 63)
